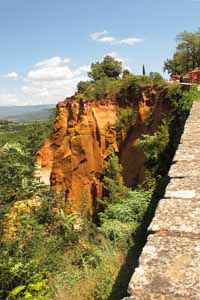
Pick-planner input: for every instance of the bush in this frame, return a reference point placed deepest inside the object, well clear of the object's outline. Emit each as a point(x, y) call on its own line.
point(188, 98)
point(154, 145)
point(16, 180)
point(126, 117)
point(156, 78)
point(101, 88)
point(129, 92)
point(124, 208)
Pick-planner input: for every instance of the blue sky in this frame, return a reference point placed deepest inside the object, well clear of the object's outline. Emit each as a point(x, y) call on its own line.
point(48, 45)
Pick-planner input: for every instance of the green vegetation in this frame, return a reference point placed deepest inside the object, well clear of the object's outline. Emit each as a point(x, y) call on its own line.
point(29, 135)
point(156, 78)
point(53, 249)
point(143, 70)
point(18, 146)
point(124, 208)
point(187, 55)
point(108, 79)
point(126, 118)
point(109, 67)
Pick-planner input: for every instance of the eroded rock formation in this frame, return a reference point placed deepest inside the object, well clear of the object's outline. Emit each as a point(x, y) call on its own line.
point(73, 159)
point(74, 156)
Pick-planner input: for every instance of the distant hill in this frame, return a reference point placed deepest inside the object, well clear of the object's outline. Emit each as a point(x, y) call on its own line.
point(26, 113)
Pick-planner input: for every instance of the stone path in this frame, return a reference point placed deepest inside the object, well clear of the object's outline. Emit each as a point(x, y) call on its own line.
point(169, 267)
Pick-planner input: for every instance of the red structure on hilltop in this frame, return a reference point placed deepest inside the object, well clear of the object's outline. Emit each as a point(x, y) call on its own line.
point(192, 76)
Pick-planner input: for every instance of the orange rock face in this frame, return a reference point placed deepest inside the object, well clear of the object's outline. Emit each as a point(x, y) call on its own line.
point(73, 158)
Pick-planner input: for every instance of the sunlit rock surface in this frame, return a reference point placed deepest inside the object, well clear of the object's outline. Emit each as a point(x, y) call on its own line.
point(72, 161)
point(74, 156)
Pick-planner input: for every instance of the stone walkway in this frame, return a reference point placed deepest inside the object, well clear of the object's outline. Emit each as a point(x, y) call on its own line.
point(169, 267)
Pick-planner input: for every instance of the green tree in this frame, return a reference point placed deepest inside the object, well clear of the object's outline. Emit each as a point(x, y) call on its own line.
point(109, 67)
point(83, 86)
point(187, 54)
point(156, 77)
point(126, 73)
point(143, 70)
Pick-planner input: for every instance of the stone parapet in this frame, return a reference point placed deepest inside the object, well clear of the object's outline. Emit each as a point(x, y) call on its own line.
point(169, 266)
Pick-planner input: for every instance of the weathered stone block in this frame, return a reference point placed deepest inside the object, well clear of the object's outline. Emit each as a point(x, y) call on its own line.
point(184, 169)
point(188, 149)
point(186, 187)
point(169, 270)
point(177, 216)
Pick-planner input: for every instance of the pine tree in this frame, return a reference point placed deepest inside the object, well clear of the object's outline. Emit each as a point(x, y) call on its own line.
point(143, 70)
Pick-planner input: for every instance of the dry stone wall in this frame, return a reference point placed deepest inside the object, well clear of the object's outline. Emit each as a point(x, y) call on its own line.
point(169, 266)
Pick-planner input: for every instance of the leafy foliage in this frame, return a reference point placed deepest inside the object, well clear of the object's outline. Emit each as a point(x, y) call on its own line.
point(82, 86)
point(187, 55)
point(109, 67)
point(16, 179)
point(101, 88)
point(156, 78)
point(154, 145)
point(124, 208)
point(126, 118)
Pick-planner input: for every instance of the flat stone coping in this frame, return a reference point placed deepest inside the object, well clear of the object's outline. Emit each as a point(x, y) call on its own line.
point(184, 169)
point(169, 269)
point(185, 188)
point(188, 150)
point(180, 216)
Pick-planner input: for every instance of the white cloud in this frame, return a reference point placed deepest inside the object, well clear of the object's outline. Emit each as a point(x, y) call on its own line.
point(107, 39)
point(104, 38)
point(116, 56)
point(128, 41)
point(52, 80)
point(48, 81)
point(8, 99)
point(53, 61)
point(97, 35)
point(50, 73)
point(11, 75)
point(51, 69)
point(85, 68)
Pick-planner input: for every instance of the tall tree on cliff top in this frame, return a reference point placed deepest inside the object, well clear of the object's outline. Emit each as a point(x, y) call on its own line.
point(143, 70)
point(109, 67)
point(187, 54)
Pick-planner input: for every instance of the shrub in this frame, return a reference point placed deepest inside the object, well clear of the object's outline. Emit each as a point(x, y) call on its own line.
point(154, 145)
point(126, 117)
point(156, 78)
point(188, 98)
point(124, 208)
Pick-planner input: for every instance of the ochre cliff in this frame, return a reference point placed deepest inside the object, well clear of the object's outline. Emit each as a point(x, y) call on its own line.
point(150, 109)
point(73, 159)
point(74, 156)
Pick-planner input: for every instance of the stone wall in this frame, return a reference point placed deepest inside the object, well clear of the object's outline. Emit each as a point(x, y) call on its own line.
point(169, 266)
